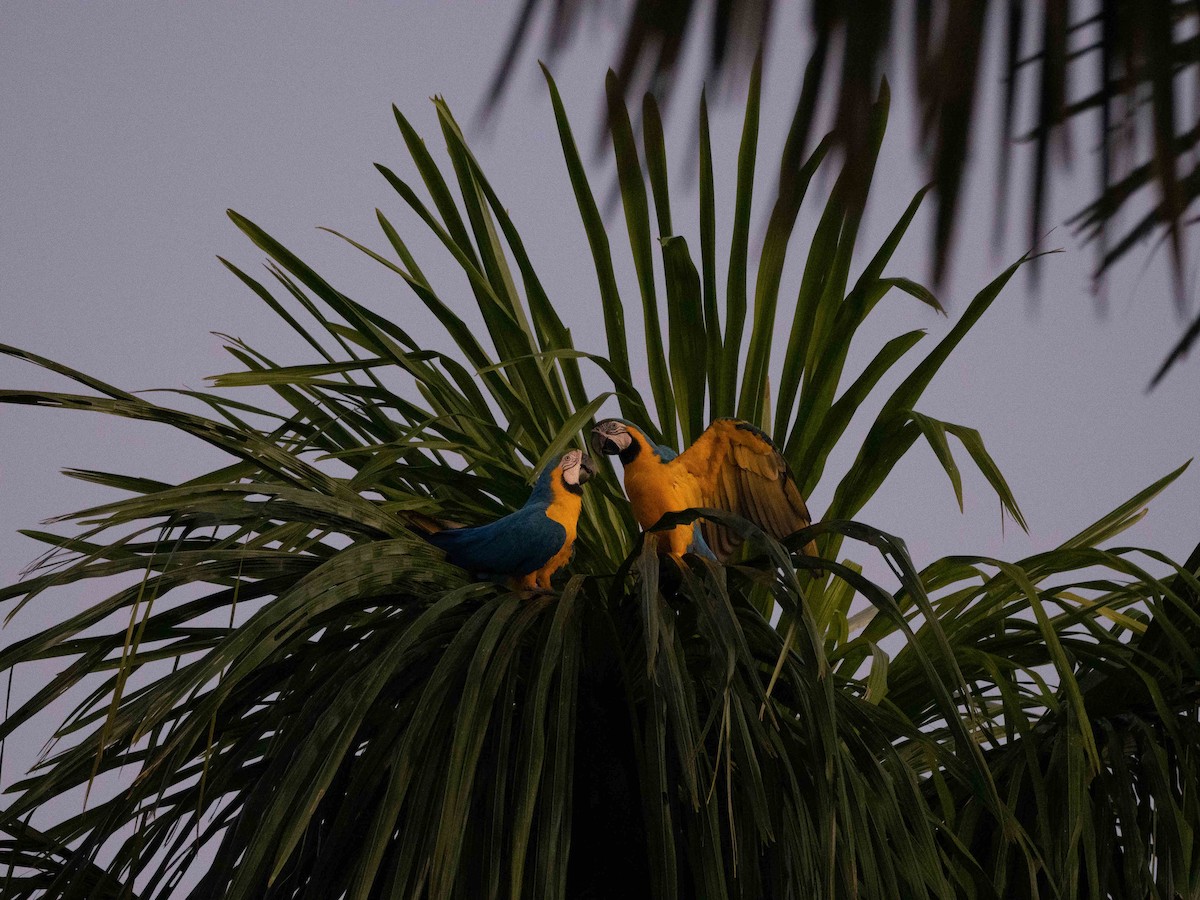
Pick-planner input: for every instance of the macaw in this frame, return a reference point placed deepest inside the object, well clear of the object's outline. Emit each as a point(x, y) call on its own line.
point(732, 466)
point(531, 544)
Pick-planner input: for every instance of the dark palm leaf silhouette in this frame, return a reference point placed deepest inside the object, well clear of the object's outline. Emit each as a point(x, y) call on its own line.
point(1131, 56)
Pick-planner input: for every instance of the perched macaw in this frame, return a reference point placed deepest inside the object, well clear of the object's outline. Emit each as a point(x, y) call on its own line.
point(531, 544)
point(732, 466)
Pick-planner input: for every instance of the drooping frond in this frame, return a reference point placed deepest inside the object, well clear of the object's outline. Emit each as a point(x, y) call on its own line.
point(1119, 64)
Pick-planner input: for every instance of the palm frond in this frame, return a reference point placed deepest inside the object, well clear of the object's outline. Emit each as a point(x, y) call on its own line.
point(1132, 58)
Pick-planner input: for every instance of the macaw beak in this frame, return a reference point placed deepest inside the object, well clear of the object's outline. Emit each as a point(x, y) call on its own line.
point(587, 469)
point(602, 444)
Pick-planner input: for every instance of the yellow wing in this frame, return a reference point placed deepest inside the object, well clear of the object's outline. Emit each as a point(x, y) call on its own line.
point(739, 469)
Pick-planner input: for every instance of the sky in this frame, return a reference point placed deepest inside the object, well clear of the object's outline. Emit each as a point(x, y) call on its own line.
point(129, 129)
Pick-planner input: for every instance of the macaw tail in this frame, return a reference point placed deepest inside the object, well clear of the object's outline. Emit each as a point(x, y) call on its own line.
point(427, 526)
point(455, 541)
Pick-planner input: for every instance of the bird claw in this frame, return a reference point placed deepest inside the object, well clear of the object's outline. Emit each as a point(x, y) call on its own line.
point(534, 592)
point(518, 586)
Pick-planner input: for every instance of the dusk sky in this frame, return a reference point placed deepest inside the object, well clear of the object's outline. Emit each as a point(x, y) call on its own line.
point(128, 129)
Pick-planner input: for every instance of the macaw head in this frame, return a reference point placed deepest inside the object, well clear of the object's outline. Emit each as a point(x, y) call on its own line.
point(568, 472)
point(616, 437)
point(575, 468)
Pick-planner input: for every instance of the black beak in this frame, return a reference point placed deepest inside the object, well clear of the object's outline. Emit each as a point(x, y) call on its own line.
point(603, 445)
point(587, 469)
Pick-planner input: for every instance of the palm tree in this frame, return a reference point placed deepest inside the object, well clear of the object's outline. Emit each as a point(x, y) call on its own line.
point(292, 694)
point(1134, 58)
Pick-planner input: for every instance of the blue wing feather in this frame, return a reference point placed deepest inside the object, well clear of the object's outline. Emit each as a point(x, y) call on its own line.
point(698, 545)
point(517, 544)
point(665, 453)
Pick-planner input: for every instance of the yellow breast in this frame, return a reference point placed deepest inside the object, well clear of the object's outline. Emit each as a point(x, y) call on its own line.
point(656, 488)
point(564, 508)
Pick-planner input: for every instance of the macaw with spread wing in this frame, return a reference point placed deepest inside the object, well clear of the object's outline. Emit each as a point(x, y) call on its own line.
point(531, 544)
point(732, 466)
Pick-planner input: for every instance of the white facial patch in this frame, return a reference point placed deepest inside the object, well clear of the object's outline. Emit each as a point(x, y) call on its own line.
point(570, 466)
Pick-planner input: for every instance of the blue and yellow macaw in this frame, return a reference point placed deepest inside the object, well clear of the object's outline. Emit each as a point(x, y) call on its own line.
point(732, 466)
point(531, 544)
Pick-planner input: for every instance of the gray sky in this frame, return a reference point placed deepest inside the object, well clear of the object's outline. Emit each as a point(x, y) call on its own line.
point(128, 129)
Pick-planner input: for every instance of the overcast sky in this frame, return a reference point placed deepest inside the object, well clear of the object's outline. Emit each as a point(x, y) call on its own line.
point(129, 128)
